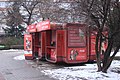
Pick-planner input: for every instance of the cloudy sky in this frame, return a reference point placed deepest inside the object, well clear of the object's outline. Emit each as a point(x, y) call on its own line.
point(2, 4)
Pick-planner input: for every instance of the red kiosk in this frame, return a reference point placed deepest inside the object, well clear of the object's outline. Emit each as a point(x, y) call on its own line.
point(68, 43)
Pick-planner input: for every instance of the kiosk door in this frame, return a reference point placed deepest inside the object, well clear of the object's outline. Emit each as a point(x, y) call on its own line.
point(41, 45)
point(92, 47)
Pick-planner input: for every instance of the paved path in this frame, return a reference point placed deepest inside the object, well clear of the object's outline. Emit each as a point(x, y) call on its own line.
point(11, 69)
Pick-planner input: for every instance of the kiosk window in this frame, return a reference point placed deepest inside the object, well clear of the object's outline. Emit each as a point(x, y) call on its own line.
point(76, 37)
point(53, 41)
point(39, 42)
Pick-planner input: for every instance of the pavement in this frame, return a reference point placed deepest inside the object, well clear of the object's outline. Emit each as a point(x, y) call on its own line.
point(11, 69)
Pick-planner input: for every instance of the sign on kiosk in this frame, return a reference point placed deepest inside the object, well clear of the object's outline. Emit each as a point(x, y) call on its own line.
point(28, 46)
point(44, 25)
point(28, 42)
point(31, 28)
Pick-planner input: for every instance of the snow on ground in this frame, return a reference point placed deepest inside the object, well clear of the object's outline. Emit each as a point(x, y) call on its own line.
point(11, 50)
point(20, 57)
point(15, 51)
point(85, 72)
point(118, 53)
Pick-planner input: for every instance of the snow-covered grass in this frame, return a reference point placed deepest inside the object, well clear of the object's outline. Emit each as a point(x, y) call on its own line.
point(86, 72)
point(10, 50)
point(118, 53)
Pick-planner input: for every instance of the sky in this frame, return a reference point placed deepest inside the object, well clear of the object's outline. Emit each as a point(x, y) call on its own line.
point(2, 4)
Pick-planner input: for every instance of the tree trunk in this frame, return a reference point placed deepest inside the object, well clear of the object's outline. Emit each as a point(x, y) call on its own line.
point(109, 60)
point(98, 52)
point(29, 19)
point(107, 53)
point(107, 65)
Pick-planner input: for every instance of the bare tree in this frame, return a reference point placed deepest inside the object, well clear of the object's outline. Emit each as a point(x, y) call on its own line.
point(103, 13)
point(56, 11)
point(30, 7)
point(61, 11)
point(13, 20)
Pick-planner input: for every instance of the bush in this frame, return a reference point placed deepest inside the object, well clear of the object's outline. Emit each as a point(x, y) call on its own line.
point(9, 42)
point(17, 46)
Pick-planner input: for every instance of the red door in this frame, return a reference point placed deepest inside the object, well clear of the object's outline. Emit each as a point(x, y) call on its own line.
point(92, 47)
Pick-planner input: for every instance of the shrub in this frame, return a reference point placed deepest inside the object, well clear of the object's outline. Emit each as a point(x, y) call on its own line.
point(10, 41)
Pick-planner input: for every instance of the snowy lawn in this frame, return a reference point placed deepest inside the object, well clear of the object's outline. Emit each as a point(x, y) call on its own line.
point(86, 72)
point(10, 50)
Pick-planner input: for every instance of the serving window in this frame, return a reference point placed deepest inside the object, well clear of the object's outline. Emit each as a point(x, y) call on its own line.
point(39, 42)
point(76, 36)
point(53, 41)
